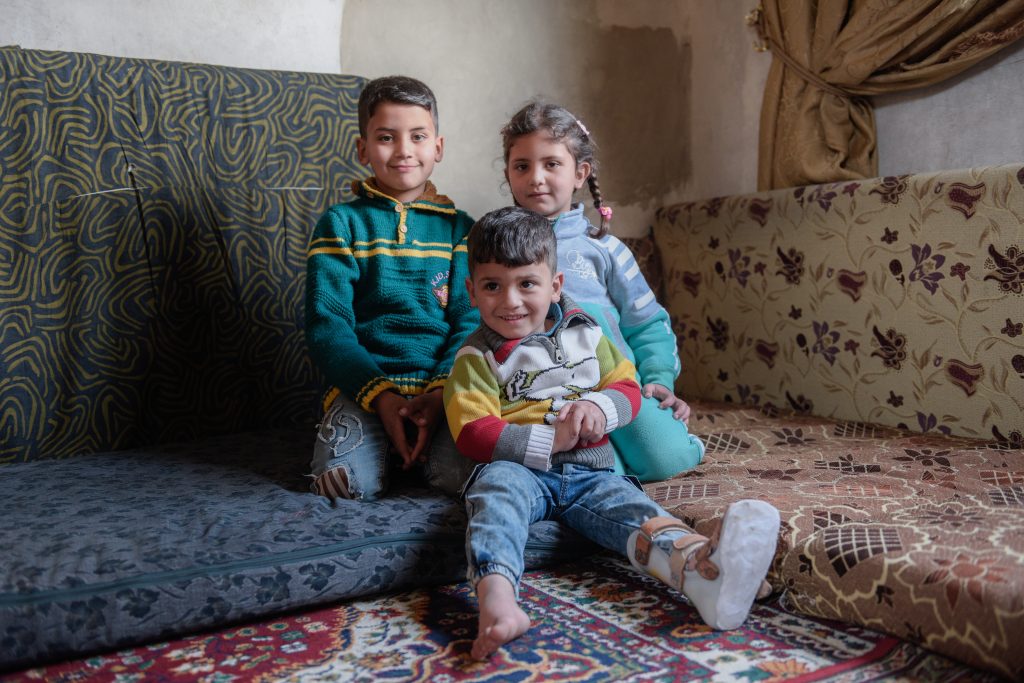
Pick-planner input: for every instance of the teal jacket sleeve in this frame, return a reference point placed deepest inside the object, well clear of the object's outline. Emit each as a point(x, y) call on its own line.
point(462, 317)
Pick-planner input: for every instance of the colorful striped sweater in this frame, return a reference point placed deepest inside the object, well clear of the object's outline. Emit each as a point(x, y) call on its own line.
point(386, 304)
point(503, 395)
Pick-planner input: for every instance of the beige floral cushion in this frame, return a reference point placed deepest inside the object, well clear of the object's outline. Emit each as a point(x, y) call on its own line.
point(896, 301)
point(917, 535)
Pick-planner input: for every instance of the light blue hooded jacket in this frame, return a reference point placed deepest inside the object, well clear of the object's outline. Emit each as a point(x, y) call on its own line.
point(603, 277)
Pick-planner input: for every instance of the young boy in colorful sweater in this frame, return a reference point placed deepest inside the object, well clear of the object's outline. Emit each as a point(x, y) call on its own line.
point(534, 393)
point(382, 321)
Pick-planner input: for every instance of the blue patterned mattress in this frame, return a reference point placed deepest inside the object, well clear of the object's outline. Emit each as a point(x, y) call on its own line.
point(108, 550)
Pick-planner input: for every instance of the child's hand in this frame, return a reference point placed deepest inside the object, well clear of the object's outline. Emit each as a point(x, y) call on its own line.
point(424, 412)
point(669, 401)
point(567, 435)
point(389, 407)
point(587, 419)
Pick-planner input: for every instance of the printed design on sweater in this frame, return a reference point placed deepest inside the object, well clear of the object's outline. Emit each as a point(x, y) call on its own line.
point(555, 385)
point(579, 266)
point(439, 288)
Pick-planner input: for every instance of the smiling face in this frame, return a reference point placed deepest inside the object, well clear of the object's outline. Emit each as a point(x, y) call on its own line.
point(543, 174)
point(401, 146)
point(514, 300)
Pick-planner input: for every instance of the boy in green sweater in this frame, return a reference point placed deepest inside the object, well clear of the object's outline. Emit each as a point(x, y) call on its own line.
point(383, 320)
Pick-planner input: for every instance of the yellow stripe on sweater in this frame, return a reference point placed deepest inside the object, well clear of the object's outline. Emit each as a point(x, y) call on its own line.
point(464, 407)
point(623, 370)
point(336, 245)
point(380, 251)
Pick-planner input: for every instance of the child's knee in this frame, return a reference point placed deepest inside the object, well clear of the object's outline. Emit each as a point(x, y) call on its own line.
point(349, 456)
point(657, 446)
point(684, 455)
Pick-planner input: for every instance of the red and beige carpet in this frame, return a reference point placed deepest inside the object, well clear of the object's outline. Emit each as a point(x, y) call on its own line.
point(595, 620)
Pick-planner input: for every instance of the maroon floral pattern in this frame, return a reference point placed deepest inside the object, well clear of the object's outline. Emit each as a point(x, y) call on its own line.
point(891, 188)
point(1008, 267)
point(919, 535)
point(894, 300)
point(759, 209)
point(964, 197)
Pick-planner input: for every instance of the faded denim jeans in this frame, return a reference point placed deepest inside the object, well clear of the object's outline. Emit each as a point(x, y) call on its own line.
point(504, 498)
point(353, 439)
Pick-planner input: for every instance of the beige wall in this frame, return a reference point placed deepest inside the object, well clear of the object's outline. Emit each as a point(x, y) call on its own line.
point(629, 70)
point(256, 34)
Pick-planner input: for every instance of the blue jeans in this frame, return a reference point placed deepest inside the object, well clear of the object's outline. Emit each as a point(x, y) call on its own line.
point(504, 498)
point(351, 438)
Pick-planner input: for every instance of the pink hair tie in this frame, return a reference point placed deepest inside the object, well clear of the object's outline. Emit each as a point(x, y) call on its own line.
point(606, 211)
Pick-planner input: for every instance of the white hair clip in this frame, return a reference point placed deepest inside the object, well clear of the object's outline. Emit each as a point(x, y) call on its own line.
point(583, 128)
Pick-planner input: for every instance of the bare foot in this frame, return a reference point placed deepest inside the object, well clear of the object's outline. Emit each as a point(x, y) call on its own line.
point(501, 619)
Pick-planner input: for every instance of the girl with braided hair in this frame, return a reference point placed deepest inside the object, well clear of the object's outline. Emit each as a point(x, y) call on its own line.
point(549, 154)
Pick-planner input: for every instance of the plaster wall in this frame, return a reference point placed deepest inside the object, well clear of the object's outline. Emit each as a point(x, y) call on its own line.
point(974, 119)
point(255, 34)
point(630, 71)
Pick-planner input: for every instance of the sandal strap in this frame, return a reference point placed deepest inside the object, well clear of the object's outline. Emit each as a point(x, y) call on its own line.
point(651, 529)
point(701, 560)
point(689, 560)
point(655, 526)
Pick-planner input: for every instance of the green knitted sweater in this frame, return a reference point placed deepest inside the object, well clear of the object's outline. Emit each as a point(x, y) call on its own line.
point(386, 302)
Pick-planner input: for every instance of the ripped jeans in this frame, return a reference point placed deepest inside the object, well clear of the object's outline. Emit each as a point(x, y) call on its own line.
point(351, 438)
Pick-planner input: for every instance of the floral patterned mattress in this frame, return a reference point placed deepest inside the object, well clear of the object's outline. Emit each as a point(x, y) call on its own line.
point(108, 550)
point(918, 535)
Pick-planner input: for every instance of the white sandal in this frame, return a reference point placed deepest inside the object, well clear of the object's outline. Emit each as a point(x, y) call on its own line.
point(722, 575)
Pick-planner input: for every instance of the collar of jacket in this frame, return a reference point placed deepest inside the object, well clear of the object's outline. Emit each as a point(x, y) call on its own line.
point(571, 223)
point(430, 200)
point(571, 315)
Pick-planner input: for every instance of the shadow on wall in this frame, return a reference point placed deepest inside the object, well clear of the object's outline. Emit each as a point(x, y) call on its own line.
point(636, 100)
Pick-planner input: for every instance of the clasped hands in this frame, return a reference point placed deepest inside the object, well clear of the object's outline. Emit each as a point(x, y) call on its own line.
point(410, 423)
point(579, 423)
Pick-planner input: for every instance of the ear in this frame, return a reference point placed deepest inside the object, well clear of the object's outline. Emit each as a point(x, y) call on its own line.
point(439, 149)
point(472, 292)
point(556, 287)
point(582, 173)
point(361, 150)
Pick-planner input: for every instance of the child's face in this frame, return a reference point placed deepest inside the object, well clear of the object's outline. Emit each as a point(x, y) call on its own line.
point(401, 146)
point(514, 302)
point(543, 174)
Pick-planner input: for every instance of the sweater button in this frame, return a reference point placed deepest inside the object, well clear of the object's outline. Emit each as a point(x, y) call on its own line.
point(399, 208)
point(402, 229)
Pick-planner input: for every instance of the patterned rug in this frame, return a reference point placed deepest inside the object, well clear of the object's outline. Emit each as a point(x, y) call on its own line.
point(595, 620)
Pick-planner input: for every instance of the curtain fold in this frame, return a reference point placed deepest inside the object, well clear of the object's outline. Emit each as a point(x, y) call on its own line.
point(817, 121)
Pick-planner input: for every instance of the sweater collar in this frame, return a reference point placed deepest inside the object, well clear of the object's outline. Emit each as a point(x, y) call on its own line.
point(430, 200)
point(572, 223)
point(566, 314)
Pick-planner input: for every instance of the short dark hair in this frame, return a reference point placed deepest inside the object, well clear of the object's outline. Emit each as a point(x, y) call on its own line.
point(512, 236)
point(397, 89)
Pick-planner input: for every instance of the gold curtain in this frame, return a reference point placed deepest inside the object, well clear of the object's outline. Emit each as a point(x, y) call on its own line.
point(817, 123)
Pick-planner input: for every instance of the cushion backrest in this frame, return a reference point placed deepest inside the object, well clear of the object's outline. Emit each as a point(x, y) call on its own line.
point(154, 218)
point(897, 301)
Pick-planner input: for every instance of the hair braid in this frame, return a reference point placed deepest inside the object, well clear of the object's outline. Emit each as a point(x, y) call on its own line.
point(595, 190)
